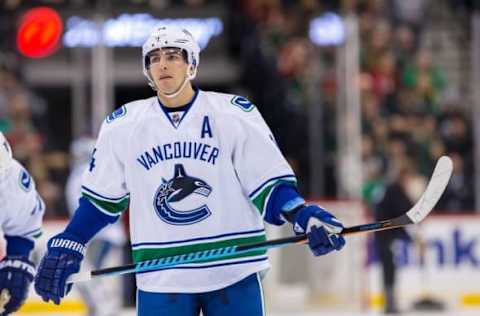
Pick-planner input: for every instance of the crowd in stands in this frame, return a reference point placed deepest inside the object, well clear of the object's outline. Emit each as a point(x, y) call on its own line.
point(405, 114)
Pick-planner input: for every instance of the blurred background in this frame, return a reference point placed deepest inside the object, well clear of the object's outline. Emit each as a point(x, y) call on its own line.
point(363, 97)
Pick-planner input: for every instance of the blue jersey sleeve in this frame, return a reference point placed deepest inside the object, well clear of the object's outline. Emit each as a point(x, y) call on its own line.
point(88, 221)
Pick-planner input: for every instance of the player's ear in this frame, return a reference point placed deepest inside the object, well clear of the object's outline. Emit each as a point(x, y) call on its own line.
point(192, 71)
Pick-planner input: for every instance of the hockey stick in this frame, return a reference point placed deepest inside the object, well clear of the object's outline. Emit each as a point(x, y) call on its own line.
point(435, 187)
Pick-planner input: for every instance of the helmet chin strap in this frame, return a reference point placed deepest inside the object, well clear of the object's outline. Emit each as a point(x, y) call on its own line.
point(188, 77)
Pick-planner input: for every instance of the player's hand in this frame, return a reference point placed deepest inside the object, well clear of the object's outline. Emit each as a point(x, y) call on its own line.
point(63, 258)
point(322, 228)
point(16, 275)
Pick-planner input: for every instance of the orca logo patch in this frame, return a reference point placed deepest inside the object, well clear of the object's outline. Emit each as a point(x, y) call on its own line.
point(180, 187)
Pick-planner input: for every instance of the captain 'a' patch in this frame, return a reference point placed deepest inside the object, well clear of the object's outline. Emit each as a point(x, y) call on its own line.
point(206, 128)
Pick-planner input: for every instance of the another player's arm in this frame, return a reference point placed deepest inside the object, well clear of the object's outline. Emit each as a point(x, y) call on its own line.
point(20, 229)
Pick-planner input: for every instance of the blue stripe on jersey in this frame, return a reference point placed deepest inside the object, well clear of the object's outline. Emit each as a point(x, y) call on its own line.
point(196, 239)
point(210, 265)
point(269, 180)
point(104, 197)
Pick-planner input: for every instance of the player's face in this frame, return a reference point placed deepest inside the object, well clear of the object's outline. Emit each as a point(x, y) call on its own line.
point(168, 69)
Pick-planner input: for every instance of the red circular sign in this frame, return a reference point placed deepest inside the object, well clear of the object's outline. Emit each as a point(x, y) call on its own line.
point(39, 32)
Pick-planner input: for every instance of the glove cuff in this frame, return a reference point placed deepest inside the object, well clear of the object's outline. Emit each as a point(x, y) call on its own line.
point(291, 209)
point(18, 246)
point(67, 243)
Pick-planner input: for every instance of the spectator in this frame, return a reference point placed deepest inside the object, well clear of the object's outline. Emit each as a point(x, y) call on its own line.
point(392, 203)
point(425, 79)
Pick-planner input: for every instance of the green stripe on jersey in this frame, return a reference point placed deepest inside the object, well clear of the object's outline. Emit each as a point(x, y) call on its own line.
point(155, 253)
point(261, 199)
point(111, 208)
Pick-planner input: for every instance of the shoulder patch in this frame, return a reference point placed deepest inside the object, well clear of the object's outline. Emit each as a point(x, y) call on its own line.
point(243, 103)
point(122, 111)
point(25, 181)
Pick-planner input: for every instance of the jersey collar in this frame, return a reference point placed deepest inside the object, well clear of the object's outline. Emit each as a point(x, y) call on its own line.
point(185, 108)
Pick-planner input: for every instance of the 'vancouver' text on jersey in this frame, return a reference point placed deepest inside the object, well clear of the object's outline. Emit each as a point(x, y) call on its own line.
point(198, 183)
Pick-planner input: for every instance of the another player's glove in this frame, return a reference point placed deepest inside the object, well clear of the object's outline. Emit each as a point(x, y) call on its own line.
point(63, 258)
point(16, 274)
point(322, 228)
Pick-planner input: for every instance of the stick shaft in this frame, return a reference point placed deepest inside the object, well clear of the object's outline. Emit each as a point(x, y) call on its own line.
point(219, 253)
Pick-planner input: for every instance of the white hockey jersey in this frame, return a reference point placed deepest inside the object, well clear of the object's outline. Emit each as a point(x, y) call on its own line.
point(21, 208)
point(200, 184)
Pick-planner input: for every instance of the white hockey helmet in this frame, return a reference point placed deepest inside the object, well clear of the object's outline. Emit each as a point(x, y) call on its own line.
point(5, 155)
point(171, 36)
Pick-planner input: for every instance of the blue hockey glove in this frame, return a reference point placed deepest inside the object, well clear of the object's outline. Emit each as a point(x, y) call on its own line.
point(16, 274)
point(322, 228)
point(64, 255)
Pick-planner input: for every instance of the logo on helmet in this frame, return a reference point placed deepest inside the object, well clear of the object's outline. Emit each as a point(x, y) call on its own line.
point(187, 33)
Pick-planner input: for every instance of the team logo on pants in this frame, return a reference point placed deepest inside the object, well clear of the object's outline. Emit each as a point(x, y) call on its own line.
point(181, 187)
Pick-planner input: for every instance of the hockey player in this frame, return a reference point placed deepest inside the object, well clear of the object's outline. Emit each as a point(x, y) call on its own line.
point(199, 170)
point(100, 296)
point(21, 212)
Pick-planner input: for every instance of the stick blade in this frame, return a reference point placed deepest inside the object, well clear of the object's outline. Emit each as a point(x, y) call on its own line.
point(435, 187)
